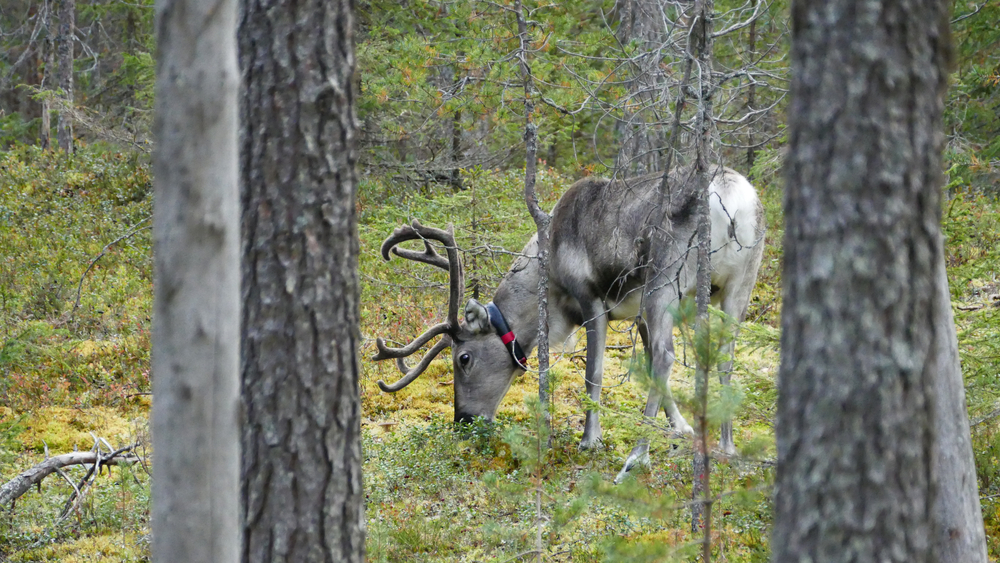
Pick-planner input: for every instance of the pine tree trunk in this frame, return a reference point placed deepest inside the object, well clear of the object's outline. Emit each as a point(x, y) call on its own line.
point(196, 291)
point(642, 22)
point(701, 48)
point(67, 26)
point(864, 337)
point(302, 490)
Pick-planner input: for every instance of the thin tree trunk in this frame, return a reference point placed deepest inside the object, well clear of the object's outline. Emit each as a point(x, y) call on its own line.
point(751, 90)
point(701, 49)
point(67, 26)
point(456, 152)
point(195, 515)
point(48, 61)
point(302, 490)
point(868, 347)
point(540, 217)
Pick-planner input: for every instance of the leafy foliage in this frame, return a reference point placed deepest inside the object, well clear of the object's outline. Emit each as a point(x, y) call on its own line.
point(974, 96)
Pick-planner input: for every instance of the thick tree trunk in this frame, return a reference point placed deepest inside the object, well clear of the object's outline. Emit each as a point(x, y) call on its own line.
point(67, 26)
point(860, 421)
point(302, 490)
point(196, 290)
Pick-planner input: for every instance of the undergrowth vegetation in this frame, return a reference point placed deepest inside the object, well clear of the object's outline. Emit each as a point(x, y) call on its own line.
point(76, 370)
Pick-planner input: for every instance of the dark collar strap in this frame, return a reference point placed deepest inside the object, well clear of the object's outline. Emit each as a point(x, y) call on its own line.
point(507, 335)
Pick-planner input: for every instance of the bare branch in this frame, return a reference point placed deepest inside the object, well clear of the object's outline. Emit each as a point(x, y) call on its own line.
point(13, 489)
point(79, 287)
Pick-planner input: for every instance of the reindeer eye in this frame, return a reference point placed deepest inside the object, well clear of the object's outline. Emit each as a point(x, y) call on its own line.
point(464, 359)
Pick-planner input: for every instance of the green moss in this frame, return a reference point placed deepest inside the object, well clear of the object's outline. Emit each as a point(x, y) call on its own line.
point(67, 429)
point(110, 547)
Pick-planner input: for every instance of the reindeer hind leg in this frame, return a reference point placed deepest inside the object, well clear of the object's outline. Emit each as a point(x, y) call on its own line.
point(734, 302)
point(596, 324)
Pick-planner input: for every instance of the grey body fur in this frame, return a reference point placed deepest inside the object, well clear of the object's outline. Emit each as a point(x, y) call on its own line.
point(620, 249)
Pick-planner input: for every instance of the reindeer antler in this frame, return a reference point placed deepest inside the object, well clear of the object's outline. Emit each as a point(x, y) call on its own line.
point(416, 231)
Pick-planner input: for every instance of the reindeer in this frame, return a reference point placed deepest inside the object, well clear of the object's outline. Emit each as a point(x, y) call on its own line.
point(620, 249)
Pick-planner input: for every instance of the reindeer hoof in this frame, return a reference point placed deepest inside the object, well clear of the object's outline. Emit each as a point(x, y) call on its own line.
point(727, 450)
point(638, 458)
point(590, 443)
point(684, 428)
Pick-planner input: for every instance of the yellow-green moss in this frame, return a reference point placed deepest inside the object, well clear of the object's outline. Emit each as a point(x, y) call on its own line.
point(109, 548)
point(65, 429)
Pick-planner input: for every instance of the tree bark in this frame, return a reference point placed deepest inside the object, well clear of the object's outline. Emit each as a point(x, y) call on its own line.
point(959, 535)
point(67, 26)
point(302, 490)
point(700, 50)
point(540, 217)
point(751, 90)
point(196, 291)
point(861, 423)
point(48, 62)
point(642, 22)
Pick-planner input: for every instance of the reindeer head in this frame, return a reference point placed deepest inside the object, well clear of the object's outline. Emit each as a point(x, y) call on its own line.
point(483, 349)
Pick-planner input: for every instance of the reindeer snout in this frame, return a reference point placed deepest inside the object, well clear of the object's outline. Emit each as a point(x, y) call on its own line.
point(463, 417)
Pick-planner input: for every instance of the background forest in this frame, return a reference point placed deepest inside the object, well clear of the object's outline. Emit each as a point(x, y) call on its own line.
point(441, 108)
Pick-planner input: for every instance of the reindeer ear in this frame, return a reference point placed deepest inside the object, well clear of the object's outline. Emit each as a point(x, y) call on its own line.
point(477, 319)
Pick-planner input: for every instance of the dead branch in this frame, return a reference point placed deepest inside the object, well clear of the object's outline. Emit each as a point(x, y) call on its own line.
point(93, 121)
point(19, 485)
point(986, 418)
point(135, 228)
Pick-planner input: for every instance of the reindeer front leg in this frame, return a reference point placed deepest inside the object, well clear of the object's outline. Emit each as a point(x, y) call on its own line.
point(662, 357)
point(596, 324)
point(725, 373)
point(660, 351)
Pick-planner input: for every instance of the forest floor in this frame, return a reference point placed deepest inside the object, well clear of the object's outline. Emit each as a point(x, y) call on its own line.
point(76, 376)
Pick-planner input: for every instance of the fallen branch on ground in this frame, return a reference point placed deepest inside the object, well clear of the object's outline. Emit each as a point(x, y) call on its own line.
point(19, 485)
point(985, 418)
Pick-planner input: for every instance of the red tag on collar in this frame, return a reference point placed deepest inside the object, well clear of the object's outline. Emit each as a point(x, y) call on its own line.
point(507, 338)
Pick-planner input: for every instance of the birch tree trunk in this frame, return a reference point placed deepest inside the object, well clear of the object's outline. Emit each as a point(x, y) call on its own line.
point(869, 390)
point(196, 291)
point(67, 26)
point(302, 491)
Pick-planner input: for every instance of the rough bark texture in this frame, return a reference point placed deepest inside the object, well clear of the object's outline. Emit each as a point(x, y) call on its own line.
point(700, 49)
point(67, 26)
point(857, 416)
point(302, 490)
point(196, 291)
point(541, 218)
